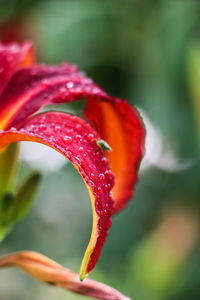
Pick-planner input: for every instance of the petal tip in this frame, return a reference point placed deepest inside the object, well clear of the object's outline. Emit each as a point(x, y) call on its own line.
point(83, 273)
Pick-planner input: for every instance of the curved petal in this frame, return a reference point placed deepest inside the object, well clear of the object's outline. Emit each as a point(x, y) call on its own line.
point(32, 88)
point(76, 140)
point(120, 125)
point(12, 57)
point(115, 120)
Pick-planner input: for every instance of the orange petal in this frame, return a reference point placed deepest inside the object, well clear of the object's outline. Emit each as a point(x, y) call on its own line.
point(120, 125)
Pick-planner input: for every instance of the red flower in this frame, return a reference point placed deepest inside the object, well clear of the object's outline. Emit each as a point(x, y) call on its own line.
point(25, 87)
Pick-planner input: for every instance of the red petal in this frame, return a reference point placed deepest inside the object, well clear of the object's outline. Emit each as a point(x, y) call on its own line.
point(13, 57)
point(76, 140)
point(32, 88)
point(116, 121)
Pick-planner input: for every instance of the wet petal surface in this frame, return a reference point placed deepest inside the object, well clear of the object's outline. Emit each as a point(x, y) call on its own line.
point(77, 141)
point(13, 57)
point(115, 120)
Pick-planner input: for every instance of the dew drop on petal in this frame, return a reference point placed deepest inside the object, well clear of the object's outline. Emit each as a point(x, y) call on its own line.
point(78, 137)
point(104, 161)
point(51, 139)
point(92, 176)
point(13, 129)
point(22, 130)
point(99, 190)
point(78, 127)
point(77, 160)
point(68, 139)
point(101, 177)
point(57, 129)
point(90, 137)
point(45, 82)
point(69, 154)
point(62, 90)
point(70, 85)
point(42, 127)
point(91, 183)
point(105, 187)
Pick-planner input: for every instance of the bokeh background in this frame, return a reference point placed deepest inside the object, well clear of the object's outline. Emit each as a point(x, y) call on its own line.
point(147, 51)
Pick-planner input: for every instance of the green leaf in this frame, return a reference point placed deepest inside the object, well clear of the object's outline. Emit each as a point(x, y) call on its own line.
point(26, 194)
point(7, 209)
point(6, 215)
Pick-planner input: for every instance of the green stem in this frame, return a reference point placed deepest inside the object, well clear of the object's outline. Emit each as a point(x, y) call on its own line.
point(8, 169)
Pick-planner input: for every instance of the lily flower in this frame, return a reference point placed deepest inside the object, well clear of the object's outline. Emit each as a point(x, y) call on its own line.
point(110, 123)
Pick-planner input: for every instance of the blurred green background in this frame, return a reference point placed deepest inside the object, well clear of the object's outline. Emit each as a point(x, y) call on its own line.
point(147, 51)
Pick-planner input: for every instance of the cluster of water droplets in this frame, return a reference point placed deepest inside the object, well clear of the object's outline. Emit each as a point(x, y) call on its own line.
point(78, 144)
point(68, 87)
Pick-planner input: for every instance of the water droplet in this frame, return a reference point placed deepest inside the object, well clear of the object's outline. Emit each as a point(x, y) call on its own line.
point(69, 130)
point(92, 176)
point(13, 129)
point(68, 139)
point(90, 137)
point(22, 130)
point(57, 129)
point(69, 154)
point(78, 137)
point(62, 90)
point(104, 161)
point(99, 190)
point(42, 127)
point(91, 183)
point(101, 177)
point(45, 82)
point(81, 149)
point(51, 139)
point(105, 187)
point(95, 90)
point(77, 160)
point(108, 173)
point(78, 127)
point(70, 85)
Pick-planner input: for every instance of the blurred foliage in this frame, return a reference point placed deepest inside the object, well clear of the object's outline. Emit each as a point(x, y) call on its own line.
point(146, 51)
point(15, 203)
